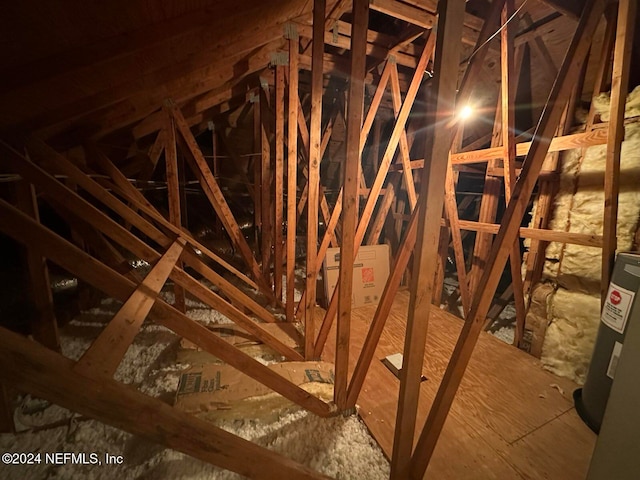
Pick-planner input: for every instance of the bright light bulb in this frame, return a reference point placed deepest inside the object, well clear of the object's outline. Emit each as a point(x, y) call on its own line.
point(466, 112)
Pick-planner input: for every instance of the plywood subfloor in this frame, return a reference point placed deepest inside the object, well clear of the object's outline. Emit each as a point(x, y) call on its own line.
point(510, 419)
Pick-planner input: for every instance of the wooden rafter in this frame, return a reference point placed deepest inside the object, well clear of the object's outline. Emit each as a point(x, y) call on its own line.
point(99, 220)
point(508, 86)
point(278, 243)
point(266, 184)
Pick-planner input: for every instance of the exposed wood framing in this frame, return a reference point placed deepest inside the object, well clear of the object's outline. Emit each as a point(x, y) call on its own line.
point(451, 211)
point(44, 326)
point(488, 206)
point(315, 137)
point(278, 202)
point(24, 230)
point(266, 183)
point(335, 215)
point(107, 351)
point(36, 370)
point(216, 197)
point(350, 203)
point(443, 96)
point(567, 76)
point(619, 86)
point(376, 187)
point(508, 92)
point(409, 184)
point(173, 192)
point(292, 174)
point(538, 234)
point(99, 220)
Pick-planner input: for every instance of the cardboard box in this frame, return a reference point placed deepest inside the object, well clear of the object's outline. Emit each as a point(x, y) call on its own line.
point(370, 273)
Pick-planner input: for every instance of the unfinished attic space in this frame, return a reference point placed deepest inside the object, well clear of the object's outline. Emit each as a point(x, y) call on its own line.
point(320, 239)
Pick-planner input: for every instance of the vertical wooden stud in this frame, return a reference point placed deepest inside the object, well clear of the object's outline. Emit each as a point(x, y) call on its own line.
point(278, 184)
point(351, 175)
point(619, 85)
point(315, 137)
point(266, 177)
point(292, 174)
point(450, 17)
point(173, 194)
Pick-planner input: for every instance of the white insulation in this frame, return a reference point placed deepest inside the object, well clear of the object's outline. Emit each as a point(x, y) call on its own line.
point(340, 447)
point(573, 304)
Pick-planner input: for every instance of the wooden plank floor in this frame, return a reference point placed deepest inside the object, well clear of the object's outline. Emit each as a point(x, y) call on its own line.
point(510, 419)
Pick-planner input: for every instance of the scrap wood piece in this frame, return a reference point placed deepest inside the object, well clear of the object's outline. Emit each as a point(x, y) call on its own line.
point(107, 351)
point(24, 230)
point(205, 389)
point(36, 370)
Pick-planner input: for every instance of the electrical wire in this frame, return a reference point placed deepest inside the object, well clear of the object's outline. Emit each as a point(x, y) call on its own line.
point(502, 27)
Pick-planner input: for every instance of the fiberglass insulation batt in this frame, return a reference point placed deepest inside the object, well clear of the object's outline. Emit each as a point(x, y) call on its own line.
point(572, 308)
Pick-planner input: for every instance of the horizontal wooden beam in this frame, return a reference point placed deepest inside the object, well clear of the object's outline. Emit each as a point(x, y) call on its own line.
point(584, 239)
point(405, 12)
point(598, 136)
point(570, 8)
point(566, 142)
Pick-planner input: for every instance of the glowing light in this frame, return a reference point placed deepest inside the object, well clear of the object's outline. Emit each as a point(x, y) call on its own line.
point(465, 112)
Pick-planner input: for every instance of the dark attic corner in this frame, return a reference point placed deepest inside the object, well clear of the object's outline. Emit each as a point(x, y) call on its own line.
point(313, 239)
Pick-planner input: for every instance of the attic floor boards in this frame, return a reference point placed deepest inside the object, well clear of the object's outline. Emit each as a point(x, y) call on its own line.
point(507, 422)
